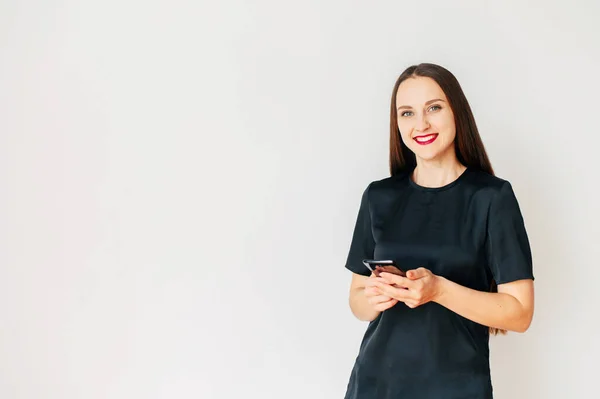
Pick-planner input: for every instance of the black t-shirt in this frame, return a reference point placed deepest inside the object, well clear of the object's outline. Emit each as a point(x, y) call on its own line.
point(470, 231)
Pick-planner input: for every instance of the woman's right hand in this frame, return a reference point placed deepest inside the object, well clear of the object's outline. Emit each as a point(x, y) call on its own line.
point(375, 298)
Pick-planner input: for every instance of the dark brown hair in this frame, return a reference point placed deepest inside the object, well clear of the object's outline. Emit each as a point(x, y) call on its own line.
point(468, 145)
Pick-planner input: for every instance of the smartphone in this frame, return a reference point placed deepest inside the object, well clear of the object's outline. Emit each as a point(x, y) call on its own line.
point(386, 265)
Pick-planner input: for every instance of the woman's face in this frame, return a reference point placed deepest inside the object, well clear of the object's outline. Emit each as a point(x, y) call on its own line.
point(425, 120)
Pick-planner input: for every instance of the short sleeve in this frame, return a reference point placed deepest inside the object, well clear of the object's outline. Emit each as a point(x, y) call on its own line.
point(363, 243)
point(508, 249)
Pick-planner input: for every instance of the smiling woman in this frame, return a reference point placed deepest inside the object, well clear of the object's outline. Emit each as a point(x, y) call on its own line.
point(426, 121)
point(457, 230)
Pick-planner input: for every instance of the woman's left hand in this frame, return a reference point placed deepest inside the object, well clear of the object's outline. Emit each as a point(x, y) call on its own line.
point(417, 288)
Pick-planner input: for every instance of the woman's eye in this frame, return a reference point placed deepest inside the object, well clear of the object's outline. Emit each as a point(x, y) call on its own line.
point(435, 107)
point(405, 113)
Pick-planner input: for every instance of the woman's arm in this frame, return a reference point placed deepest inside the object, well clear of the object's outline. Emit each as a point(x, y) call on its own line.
point(511, 308)
point(365, 300)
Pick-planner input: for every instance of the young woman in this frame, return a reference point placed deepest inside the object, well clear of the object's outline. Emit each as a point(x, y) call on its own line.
point(457, 232)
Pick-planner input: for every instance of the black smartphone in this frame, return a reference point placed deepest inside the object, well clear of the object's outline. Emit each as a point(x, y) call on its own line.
point(385, 265)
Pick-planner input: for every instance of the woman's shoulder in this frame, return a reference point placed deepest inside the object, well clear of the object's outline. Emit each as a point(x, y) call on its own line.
point(385, 190)
point(486, 182)
point(476, 177)
point(389, 183)
point(476, 180)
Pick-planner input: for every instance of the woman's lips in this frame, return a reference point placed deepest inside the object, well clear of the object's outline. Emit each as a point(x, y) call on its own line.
point(426, 139)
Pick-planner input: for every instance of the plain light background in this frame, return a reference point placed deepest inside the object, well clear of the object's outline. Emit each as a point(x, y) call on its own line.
point(180, 180)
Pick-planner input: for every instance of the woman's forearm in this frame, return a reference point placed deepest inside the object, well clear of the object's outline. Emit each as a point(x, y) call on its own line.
point(492, 309)
point(360, 306)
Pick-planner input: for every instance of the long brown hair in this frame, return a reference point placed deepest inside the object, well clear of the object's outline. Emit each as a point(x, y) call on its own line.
point(468, 145)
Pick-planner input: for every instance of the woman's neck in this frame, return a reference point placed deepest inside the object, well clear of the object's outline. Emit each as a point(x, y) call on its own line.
point(437, 174)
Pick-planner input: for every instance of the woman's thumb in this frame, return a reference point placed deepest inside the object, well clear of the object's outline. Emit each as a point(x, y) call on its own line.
point(414, 274)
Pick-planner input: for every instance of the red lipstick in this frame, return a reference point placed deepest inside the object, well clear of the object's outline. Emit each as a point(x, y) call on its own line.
point(426, 138)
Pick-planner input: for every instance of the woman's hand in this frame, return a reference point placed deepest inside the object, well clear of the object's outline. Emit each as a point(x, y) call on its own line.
point(417, 288)
point(375, 298)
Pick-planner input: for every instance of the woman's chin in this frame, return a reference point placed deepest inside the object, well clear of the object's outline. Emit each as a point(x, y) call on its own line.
point(433, 154)
point(429, 156)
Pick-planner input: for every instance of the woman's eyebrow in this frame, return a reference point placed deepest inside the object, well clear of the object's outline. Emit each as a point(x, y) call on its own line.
point(427, 103)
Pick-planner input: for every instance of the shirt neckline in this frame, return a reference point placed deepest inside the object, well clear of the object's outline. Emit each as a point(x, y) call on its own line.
point(441, 188)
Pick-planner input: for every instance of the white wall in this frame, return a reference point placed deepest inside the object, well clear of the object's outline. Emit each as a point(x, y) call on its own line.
point(180, 182)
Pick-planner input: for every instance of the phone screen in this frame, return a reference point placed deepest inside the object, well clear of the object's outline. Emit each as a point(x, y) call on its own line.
point(378, 266)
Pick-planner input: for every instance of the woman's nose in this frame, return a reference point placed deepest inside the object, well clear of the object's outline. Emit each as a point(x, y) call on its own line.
point(422, 124)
